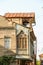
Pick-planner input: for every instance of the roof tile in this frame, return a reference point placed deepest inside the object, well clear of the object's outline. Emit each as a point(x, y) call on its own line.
point(20, 15)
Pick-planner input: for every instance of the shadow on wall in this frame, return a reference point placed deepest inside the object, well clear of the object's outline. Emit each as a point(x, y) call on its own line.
point(4, 51)
point(7, 57)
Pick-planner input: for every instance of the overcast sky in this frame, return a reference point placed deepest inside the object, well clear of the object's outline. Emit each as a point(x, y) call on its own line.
point(27, 6)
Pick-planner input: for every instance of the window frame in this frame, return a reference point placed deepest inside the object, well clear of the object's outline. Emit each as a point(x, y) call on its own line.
point(20, 40)
point(7, 42)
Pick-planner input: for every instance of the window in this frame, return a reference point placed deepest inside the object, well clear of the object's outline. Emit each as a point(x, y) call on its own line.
point(22, 42)
point(7, 42)
point(25, 42)
point(18, 43)
point(26, 23)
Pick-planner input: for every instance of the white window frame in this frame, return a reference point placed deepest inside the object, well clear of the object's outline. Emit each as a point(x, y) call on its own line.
point(7, 42)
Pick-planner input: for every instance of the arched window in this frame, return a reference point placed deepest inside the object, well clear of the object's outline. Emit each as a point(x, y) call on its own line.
point(22, 41)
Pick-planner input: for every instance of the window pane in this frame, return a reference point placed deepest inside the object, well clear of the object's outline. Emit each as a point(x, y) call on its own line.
point(7, 42)
point(22, 42)
point(19, 42)
point(25, 43)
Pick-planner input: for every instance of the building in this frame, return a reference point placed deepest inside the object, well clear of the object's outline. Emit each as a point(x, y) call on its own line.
point(17, 37)
point(41, 59)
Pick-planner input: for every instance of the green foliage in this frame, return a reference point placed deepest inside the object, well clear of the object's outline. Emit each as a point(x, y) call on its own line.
point(5, 60)
point(37, 62)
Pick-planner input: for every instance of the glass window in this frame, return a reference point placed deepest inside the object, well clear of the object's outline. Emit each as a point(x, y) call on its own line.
point(25, 42)
point(22, 42)
point(7, 42)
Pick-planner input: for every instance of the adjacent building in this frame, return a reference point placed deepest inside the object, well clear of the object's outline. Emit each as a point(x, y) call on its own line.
point(17, 37)
point(41, 59)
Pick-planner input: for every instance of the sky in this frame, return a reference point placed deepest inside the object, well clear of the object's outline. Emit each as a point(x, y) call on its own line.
point(36, 6)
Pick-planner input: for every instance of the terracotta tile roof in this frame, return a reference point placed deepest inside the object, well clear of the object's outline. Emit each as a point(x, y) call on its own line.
point(19, 15)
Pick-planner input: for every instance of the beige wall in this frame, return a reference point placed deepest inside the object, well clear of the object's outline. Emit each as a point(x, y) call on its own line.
point(9, 33)
point(12, 35)
point(15, 20)
point(4, 22)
